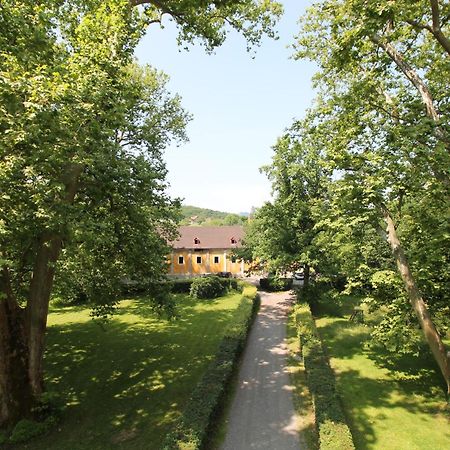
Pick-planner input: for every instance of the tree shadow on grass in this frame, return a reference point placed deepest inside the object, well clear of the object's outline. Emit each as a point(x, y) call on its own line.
point(409, 381)
point(363, 394)
point(347, 339)
point(128, 380)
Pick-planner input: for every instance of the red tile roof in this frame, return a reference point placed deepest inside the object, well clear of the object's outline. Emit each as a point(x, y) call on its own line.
point(209, 237)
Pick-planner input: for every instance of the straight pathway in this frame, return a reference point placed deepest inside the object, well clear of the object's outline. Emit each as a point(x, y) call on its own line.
point(262, 414)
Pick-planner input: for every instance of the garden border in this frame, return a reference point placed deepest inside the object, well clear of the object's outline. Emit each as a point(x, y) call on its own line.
point(333, 430)
point(192, 428)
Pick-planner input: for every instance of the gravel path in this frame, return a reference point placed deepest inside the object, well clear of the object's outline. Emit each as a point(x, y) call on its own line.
point(262, 414)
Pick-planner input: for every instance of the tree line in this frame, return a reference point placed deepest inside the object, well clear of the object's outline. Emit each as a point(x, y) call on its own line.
point(361, 183)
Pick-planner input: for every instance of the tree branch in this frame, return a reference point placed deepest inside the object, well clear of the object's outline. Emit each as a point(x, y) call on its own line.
point(158, 4)
point(435, 28)
point(411, 74)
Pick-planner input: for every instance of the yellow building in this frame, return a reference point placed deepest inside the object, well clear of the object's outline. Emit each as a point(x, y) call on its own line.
point(203, 250)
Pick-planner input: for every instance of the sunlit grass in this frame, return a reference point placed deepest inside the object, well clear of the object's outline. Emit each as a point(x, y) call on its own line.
point(124, 384)
point(392, 402)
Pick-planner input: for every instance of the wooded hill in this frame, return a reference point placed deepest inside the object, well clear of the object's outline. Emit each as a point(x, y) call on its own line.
point(193, 215)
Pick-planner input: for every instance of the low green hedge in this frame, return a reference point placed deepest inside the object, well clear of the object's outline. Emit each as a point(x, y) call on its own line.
point(334, 433)
point(274, 284)
point(192, 429)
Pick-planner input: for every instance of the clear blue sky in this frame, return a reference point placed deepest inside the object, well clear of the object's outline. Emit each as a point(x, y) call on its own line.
point(239, 105)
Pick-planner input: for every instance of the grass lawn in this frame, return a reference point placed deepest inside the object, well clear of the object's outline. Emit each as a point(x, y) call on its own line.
point(126, 384)
point(392, 402)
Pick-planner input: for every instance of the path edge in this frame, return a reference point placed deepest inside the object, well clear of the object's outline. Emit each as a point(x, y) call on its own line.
point(192, 429)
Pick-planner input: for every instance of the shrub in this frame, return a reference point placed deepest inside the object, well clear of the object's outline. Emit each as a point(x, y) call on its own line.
point(182, 285)
point(237, 285)
point(275, 284)
point(28, 429)
point(192, 429)
point(207, 287)
point(334, 433)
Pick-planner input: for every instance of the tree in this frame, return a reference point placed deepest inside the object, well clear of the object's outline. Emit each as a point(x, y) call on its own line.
point(282, 233)
point(384, 108)
point(82, 130)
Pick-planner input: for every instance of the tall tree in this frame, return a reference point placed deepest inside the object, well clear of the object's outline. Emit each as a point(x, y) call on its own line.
point(282, 233)
point(82, 132)
point(384, 107)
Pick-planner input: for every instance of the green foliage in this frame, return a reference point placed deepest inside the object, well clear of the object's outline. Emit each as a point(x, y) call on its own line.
point(330, 418)
point(26, 430)
point(208, 287)
point(375, 140)
point(282, 234)
point(210, 21)
point(49, 407)
point(181, 286)
point(82, 132)
point(192, 429)
point(275, 284)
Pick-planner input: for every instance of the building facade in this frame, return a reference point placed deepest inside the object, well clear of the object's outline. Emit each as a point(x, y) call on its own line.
point(204, 250)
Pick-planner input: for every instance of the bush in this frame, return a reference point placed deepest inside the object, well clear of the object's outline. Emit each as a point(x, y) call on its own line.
point(237, 285)
point(208, 287)
point(334, 433)
point(275, 284)
point(28, 429)
point(192, 429)
point(181, 286)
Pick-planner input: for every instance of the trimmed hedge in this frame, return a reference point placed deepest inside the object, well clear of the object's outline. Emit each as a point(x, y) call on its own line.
point(334, 433)
point(273, 284)
point(192, 429)
point(178, 285)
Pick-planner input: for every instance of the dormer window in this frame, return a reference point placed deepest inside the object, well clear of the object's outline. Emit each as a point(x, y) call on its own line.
point(233, 240)
point(196, 241)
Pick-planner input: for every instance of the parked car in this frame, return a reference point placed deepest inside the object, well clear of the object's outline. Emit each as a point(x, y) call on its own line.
point(300, 276)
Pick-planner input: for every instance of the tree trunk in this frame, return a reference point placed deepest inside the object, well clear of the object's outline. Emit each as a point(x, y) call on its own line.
point(429, 330)
point(22, 331)
point(47, 255)
point(16, 398)
point(37, 308)
point(306, 273)
point(436, 27)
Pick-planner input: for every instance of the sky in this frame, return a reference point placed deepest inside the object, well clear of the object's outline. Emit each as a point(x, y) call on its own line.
point(241, 102)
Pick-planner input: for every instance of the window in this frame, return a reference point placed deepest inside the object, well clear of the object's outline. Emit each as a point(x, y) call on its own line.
point(233, 240)
point(180, 260)
point(199, 259)
point(196, 241)
point(216, 260)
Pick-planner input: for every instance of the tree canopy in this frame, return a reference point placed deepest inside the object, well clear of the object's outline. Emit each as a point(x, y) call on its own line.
point(379, 129)
point(82, 180)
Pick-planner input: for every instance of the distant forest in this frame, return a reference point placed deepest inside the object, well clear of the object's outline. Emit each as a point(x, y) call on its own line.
point(192, 215)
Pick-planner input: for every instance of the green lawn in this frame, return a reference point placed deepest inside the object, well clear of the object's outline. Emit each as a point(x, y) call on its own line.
point(392, 402)
point(125, 384)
